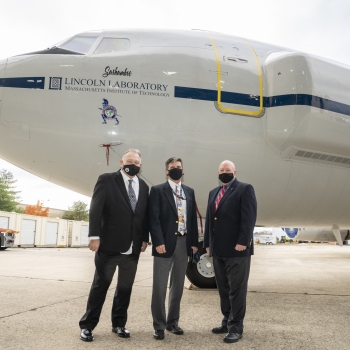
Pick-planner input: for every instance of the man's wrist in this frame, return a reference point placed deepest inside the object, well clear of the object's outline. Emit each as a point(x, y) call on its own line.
point(93, 238)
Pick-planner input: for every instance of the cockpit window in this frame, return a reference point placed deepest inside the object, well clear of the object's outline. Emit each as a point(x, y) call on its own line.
point(81, 44)
point(109, 45)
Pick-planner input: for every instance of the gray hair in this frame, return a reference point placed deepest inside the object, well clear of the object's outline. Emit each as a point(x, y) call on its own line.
point(172, 160)
point(132, 150)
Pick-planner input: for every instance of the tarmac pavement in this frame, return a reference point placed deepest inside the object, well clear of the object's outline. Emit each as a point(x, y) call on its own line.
point(298, 298)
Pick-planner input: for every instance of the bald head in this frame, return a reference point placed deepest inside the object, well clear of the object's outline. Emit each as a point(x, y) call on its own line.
point(227, 167)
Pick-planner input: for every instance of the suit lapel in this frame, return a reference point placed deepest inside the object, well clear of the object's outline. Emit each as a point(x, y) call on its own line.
point(141, 193)
point(169, 194)
point(188, 199)
point(227, 193)
point(122, 187)
point(211, 201)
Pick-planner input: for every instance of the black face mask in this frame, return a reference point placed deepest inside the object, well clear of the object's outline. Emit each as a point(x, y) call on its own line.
point(226, 177)
point(131, 169)
point(175, 174)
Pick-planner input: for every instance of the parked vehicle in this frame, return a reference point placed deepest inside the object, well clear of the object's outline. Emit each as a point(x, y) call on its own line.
point(7, 238)
point(267, 239)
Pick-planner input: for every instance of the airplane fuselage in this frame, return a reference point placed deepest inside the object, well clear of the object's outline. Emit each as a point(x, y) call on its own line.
point(283, 117)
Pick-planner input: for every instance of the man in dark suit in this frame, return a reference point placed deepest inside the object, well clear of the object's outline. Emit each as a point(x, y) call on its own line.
point(228, 238)
point(174, 233)
point(118, 232)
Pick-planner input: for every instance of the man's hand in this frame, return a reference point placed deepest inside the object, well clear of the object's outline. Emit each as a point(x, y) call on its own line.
point(195, 249)
point(161, 249)
point(94, 244)
point(144, 246)
point(208, 250)
point(240, 248)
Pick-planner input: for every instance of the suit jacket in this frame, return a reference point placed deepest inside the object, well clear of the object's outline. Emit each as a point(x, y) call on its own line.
point(233, 222)
point(112, 218)
point(163, 219)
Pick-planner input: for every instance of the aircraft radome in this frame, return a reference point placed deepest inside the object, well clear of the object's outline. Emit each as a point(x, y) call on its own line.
point(282, 116)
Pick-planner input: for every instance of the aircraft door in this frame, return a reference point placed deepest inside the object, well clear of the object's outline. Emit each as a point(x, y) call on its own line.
point(238, 77)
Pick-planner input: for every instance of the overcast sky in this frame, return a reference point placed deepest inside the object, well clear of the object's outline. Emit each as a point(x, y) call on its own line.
point(318, 27)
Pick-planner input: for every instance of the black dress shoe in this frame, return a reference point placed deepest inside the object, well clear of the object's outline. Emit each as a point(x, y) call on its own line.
point(121, 332)
point(86, 335)
point(232, 337)
point(175, 329)
point(158, 334)
point(221, 329)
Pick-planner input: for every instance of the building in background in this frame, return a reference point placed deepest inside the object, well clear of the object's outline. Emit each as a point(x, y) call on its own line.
point(43, 231)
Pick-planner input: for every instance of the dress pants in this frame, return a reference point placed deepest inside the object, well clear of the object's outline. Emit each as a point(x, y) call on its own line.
point(106, 263)
point(231, 276)
point(177, 266)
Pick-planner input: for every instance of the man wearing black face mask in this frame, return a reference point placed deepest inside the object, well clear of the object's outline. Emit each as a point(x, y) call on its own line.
point(174, 233)
point(118, 232)
point(228, 238)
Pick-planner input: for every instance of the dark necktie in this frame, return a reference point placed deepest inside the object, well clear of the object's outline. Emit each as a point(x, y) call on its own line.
point(132, 196)
point(219, 197)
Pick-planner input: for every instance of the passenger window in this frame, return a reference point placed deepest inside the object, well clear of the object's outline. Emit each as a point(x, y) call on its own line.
point(113, 45)
point(81, 44)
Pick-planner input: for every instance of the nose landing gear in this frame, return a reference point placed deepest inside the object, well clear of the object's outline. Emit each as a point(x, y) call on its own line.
point(202, 275)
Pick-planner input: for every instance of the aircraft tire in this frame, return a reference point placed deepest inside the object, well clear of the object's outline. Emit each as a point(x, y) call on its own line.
point(196, 273)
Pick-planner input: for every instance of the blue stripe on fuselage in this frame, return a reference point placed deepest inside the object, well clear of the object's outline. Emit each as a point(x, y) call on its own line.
point(211, 95)
point(253, 100)
point(24, 83)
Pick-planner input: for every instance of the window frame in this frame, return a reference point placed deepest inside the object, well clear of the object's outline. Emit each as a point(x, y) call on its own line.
point(112, 52)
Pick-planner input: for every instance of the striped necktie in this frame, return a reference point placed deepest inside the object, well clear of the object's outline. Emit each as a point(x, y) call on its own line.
point(219, 197)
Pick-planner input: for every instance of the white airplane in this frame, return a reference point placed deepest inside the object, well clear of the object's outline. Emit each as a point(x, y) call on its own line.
point(314, 234)
point(282, 116)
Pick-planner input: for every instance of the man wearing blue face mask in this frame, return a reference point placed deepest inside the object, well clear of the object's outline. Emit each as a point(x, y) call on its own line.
point(228, 238)
point(118, 232)
point(174, 233)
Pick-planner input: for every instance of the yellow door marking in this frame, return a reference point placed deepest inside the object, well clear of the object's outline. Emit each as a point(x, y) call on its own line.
point(238, 111)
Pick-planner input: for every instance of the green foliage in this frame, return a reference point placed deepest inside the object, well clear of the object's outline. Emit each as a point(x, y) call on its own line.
point(77, 211)
point(8, 195)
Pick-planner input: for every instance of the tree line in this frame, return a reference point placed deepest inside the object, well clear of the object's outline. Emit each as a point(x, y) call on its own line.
point(9, 199)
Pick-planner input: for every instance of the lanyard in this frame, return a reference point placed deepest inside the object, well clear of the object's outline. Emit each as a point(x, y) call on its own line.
point(177, 196)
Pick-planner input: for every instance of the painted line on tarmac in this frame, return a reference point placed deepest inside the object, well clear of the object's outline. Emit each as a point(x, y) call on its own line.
point(300, 293)
point(48, 305)
point(203, 289)
point(41, 307)
point(45, 279)
point(60, 302)
point(60, 280)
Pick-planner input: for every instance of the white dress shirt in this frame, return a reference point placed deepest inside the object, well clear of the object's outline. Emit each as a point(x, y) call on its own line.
point(173, 187)
point(136, 186)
